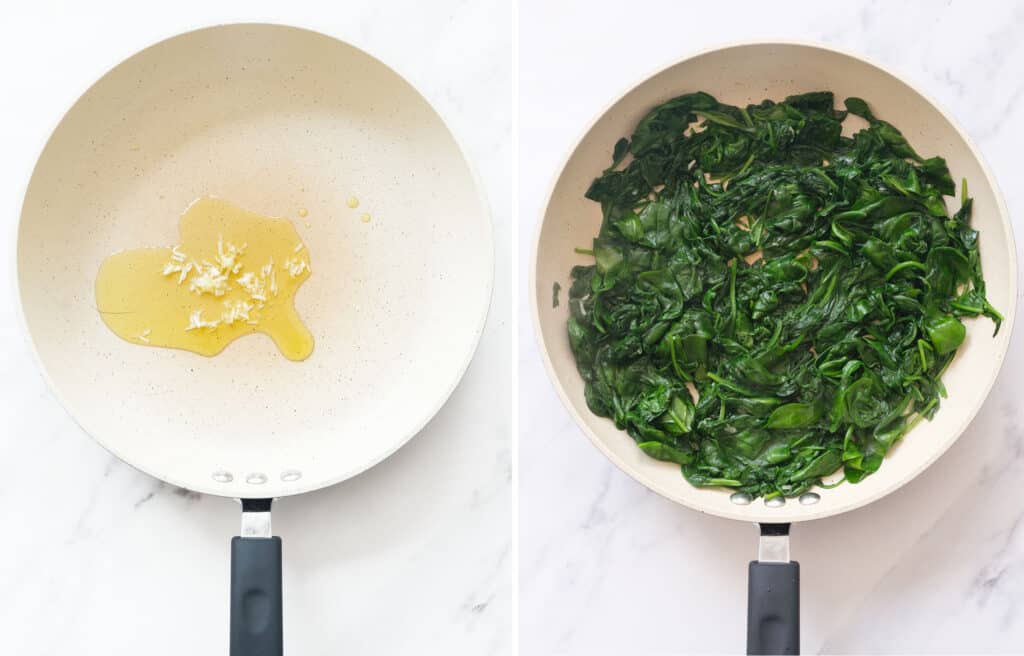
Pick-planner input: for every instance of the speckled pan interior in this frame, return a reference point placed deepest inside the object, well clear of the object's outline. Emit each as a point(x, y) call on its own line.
point(749, 73)
point(274, 119)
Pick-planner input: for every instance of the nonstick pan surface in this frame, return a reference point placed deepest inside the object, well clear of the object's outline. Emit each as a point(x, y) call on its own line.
point(738, 75)
point(274, 119)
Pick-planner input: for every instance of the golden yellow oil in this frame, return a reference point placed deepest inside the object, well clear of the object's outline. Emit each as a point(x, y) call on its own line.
point(233, 273)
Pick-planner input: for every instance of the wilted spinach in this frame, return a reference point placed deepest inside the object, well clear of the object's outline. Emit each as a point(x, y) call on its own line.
point(770, 300)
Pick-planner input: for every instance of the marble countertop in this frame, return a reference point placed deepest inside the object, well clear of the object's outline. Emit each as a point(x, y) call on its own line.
point(414, 556)
point(607, 567)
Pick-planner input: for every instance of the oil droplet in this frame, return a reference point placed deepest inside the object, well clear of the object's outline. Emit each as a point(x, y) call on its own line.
point(365, 218)
point(353, 202)
point(303, 212)
point(233, 274)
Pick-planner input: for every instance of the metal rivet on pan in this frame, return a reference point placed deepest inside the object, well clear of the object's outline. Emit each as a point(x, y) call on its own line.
point(222, 476)
point(775, 502)
point(290, 475)
point(740, 498)
point(810, 498)
point(256, 479)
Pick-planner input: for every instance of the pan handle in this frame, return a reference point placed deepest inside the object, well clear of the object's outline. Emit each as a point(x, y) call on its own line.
point(256, 617)
point(773, 596)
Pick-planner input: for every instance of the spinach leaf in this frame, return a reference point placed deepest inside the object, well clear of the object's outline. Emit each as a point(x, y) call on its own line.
point(772, 301)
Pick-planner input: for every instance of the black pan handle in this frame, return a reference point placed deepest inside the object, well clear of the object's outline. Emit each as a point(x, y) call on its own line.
point(773, 596)
point(256, 617)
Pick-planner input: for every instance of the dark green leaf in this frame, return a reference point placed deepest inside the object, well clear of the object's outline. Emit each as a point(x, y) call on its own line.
point(805, 288)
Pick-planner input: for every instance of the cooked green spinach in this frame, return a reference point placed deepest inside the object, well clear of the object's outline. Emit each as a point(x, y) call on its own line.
point(770, 300)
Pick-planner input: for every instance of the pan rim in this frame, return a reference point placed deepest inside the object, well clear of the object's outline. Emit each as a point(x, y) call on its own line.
point(753, 512)
point(274, 489)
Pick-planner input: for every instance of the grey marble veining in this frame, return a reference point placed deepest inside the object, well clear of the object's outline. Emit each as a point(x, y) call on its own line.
point(609, 568)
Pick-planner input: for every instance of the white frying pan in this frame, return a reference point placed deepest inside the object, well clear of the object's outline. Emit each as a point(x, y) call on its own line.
point(738, 75)
point(274, 119)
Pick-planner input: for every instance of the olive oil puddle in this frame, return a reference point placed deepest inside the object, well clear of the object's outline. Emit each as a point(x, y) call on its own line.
point(234, 273)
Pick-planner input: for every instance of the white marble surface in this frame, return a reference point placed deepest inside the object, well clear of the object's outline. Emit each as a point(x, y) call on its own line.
point(416, 555)
point(609, 568)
